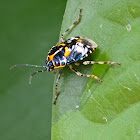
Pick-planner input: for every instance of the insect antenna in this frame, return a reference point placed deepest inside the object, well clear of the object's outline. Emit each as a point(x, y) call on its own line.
point(28, 65)
point(30, 79)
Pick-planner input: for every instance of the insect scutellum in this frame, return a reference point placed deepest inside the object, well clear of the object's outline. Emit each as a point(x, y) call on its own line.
point(69, 52)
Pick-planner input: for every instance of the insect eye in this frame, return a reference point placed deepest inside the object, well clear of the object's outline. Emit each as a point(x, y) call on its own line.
point(50, 64)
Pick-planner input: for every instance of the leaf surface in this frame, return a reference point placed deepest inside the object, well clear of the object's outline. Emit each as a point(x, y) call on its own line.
point(85, 108)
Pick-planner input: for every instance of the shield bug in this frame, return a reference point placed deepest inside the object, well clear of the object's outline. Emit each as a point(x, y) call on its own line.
point(69, 52)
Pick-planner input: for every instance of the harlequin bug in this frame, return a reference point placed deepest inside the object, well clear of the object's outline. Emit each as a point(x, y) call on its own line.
point(68, 52)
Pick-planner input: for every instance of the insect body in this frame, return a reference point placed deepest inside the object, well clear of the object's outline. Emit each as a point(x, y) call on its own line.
point(69, 52)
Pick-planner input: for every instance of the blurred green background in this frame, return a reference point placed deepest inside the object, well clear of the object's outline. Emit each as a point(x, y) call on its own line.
point(28, 29)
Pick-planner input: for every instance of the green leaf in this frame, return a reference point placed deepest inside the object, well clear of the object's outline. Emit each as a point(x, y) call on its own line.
point(85, 108)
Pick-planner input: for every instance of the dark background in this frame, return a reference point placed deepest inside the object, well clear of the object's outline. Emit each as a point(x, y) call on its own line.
point(28, 29)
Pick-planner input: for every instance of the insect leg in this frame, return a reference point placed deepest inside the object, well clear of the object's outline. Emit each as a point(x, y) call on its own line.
point(53, 72)
point(85, 75)
point(28, 65)
point(30, 79)
point(97, 62)
point(56, 86)
point(73, 25)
